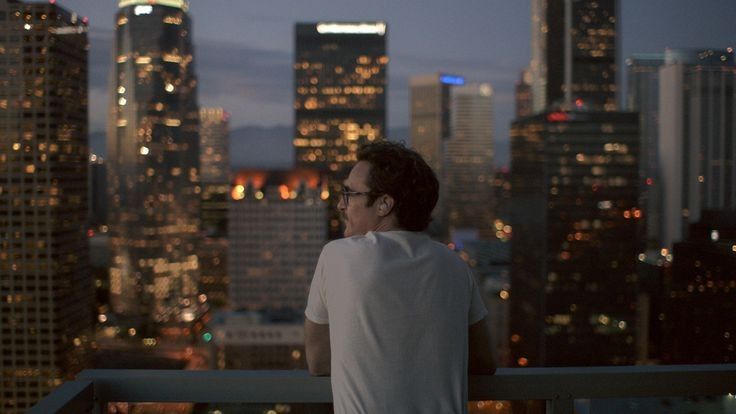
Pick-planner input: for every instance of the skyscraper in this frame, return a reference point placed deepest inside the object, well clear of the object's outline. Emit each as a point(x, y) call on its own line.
point(214, 160)
point(574, 47)
point(340, 97)
point(47, 291)
point(430, 115)
point(574, 247)
point(277, 228)
point(468, 163)
point(697, 140)
point(643, 97)
point(431, 119)
point(153, 164)
point(523, 94)
point(215, 165)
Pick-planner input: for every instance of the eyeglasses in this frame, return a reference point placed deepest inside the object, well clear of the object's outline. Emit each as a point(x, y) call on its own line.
point(346, 194)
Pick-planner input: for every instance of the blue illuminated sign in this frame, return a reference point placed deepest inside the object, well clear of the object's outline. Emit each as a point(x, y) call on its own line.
point(452, 80)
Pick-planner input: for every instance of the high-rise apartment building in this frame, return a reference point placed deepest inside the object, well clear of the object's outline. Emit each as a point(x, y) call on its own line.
point(215, 166)
point(277, 228)
point(340, 76)
point(643, 97)
point(574, 47)
point(574, 248)
point(697, 140)
point(468, 163)
point(47, 291)
point(430, 115)
point(153, 165)
point(430, 129)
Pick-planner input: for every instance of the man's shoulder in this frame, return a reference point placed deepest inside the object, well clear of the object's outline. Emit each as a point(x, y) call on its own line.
point(353, 243)
point(389, 243)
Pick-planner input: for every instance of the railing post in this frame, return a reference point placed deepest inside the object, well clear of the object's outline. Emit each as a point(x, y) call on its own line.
point(560, 405)
point(100, 407)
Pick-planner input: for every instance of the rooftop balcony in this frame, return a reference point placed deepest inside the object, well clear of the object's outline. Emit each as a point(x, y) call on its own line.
point(559, 387)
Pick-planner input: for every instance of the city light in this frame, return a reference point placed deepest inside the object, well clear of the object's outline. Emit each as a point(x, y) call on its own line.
point(139, 10)
point(452, 80)
point(352, 28)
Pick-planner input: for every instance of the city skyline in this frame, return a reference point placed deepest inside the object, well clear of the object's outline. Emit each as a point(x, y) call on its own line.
point(245, 51)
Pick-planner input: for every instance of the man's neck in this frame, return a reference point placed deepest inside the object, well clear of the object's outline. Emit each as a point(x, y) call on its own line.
point(388, 223)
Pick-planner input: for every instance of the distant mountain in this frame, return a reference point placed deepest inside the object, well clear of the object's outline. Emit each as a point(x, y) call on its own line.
point(271, 147)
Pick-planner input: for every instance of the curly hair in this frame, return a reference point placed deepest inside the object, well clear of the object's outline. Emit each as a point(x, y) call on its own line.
point(404, 175)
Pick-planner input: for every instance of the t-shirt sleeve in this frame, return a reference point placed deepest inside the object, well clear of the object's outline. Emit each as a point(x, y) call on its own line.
point(317, 301)
point(477, 309)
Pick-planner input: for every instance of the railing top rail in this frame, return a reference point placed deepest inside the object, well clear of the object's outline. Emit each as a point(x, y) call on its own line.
point(507, 384)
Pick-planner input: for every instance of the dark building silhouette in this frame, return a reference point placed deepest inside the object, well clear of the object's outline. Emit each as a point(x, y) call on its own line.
point(700, 300)
point(97, 191)
point(46, 285)
point(574, 246)
point(643, 97)
point(574, 53)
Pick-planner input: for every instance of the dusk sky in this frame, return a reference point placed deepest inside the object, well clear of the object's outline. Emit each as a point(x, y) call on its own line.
point(244, 49)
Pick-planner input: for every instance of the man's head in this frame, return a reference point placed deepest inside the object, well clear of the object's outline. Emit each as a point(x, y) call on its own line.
point(390, 188)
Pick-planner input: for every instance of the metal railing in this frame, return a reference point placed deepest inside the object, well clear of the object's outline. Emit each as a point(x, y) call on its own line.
point(93, 389)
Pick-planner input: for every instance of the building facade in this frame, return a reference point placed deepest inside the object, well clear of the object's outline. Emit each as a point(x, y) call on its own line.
point(277, 228)
point(701, 294)
point(214, 159)
point(574, 54)
point(574, 248)
point(340, 76)
point(256, 341)
point(430, 129)
point(47, 290)
point(153, 166)
point(697, 140)
point(643, 97)
point(468, 163)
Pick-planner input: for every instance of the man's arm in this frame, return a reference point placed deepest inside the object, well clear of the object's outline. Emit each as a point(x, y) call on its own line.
point(317, 347)
point(480, 349)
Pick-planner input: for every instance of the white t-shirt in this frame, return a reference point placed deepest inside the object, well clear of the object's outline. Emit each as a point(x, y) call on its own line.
point(398, 305)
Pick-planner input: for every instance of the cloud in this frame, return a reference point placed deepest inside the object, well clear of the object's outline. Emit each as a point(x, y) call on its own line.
point(255, 85)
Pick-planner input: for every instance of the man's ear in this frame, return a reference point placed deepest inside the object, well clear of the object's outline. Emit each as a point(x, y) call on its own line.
point(385, 205)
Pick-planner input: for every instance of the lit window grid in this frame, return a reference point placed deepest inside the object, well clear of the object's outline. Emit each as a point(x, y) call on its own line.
point(154, 167)
point(45, 249)
point(274, 245)
point(580, 224)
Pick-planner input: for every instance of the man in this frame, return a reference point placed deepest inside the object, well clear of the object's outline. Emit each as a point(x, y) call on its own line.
point(395, 318)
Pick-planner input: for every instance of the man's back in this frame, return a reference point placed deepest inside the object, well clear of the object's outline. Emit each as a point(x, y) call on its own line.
point(398, 307)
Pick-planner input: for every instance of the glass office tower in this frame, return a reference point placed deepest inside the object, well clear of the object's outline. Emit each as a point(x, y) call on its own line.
point(574, 53)
point(575, 239)
point(340, 97)
point(153, 162)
